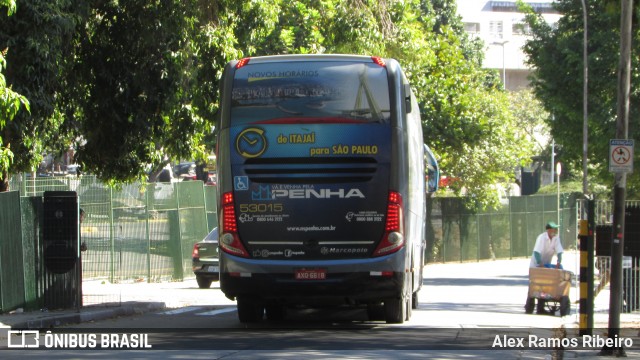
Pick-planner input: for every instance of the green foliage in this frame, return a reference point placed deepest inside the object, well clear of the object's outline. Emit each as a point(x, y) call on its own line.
point(10, 4)
point(556, 54)
point(10, 103)
point(38, 36)
point(531, 118)
point(134, 83)
point(134, 87)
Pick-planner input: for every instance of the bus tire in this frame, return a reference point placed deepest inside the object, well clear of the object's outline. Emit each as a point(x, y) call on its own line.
point(274, 311)
point(395, 310)
point(376, 312)
point(414, 300)
point(249, 310)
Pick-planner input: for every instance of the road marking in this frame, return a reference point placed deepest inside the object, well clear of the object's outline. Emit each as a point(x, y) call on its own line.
point(182, 310)
point(216, 312)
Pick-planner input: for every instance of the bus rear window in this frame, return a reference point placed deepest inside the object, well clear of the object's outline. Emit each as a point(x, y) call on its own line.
point(310, 92)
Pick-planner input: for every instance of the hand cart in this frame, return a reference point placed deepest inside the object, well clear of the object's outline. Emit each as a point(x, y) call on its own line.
point(550, 286)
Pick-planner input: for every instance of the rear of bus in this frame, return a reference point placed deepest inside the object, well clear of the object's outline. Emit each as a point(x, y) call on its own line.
point(310, 170)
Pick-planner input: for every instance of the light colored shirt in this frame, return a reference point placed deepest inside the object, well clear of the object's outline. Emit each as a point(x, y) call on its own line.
point(547, 248)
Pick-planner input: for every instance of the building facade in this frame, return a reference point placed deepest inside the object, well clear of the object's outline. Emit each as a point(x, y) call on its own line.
point(502, 28)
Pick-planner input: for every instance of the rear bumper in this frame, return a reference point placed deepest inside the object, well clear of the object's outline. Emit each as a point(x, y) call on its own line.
point(352, 281)
point(336, 289)
point(203, 269)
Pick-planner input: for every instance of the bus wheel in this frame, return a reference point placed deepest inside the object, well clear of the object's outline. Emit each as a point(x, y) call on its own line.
point(414, 300)
point(274, 311)
point(249, 310)
point(395, 310)
point(375, 312)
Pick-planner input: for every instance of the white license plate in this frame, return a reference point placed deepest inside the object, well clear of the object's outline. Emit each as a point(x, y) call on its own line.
point(213, 268)
point(311, 274)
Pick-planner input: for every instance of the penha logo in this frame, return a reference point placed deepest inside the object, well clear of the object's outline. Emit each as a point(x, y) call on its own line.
point(316, 194)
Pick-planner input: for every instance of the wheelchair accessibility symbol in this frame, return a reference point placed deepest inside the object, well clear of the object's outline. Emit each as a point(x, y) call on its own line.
point(241, 183)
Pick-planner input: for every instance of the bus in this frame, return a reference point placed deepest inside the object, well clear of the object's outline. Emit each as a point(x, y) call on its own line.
point(322, 186)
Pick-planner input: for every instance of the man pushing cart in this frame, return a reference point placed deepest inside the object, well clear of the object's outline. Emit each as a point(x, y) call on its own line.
point(549, 284)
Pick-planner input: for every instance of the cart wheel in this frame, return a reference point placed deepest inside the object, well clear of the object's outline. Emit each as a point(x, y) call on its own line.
point(565, 306)
point(552, 307)
point(529, 305)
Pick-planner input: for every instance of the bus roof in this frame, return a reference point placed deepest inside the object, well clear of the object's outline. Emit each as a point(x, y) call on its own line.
point(313, 57)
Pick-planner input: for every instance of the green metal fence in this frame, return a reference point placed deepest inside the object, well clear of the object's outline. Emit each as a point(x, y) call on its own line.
point(455, 233)
point(12, 276)
point(139, 232)
point(145, 232)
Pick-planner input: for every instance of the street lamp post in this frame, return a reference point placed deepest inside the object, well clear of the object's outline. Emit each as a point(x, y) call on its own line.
point(558, 171)
point(504, 67)
point(585, 106)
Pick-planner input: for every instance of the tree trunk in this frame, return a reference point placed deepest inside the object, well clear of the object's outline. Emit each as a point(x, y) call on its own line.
point(4, 182)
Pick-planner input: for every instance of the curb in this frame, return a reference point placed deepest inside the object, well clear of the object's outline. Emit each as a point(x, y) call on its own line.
point(89, 314)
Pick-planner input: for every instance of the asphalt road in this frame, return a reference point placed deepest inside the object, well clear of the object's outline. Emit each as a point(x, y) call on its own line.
point(466, 310)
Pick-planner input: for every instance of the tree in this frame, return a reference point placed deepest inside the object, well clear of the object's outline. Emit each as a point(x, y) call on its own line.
point(532, 118)
point(466, 115)
point(10, 103)
point(136, 82)
point(38, 36)
point(555, 54)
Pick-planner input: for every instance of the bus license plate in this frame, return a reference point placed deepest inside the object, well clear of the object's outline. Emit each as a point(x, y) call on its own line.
point(311, 274)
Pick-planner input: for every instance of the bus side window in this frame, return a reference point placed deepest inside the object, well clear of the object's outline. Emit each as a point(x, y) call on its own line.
point(433, 172)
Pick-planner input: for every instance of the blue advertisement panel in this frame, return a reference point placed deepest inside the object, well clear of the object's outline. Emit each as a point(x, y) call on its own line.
point(298, 187)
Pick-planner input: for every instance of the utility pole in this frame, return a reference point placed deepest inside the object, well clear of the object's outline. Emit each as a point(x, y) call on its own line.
point(585, 97)
point(619, 189)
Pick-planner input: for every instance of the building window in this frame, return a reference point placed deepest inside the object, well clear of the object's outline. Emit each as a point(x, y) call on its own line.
point(512, 6)
point(473, 28)
point(495, 29)
point(521, 29)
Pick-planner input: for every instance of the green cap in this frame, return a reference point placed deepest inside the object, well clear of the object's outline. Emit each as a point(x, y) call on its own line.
point(552, 225)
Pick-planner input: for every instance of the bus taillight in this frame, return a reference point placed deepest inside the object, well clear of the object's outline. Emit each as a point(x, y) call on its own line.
point(242, 62)
point(378, 60)
point(393, 239)
point(229, 240)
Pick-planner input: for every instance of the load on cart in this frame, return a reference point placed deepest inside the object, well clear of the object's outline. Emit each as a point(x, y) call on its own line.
point(550, 288)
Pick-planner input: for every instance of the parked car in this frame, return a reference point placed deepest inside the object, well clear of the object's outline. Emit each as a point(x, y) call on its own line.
point(212, 179)
point(185, 171)
point(204, 259)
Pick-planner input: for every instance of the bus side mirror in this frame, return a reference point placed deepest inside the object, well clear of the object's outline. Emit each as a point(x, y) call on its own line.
point(433, 171)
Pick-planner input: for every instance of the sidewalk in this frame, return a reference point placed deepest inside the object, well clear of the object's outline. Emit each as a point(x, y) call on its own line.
point(103, 300)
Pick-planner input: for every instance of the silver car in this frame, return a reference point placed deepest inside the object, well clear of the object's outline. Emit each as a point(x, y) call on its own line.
point(204, 259)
